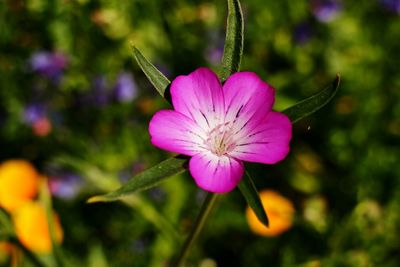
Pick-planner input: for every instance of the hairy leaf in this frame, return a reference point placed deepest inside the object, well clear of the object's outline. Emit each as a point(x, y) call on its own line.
point(157, 79)
point(146, 179)
point(233, 49)
point(313, 103)
point(250, 193)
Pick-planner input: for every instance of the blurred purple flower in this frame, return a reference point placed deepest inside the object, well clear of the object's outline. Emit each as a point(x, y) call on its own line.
point(392, 5)
point(215, 50)
point(125, 88)
point(302, 33)
point(65, 186)
point(48, 64)
point(214, 54)
point(325, 10)
point(99, 96)
point(33, 113)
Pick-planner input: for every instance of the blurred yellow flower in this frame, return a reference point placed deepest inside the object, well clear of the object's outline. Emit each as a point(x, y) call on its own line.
point(31, 227)
point(19, 183)
point(280, 212)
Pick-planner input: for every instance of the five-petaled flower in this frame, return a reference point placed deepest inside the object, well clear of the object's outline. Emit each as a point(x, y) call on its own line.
point(220, 126)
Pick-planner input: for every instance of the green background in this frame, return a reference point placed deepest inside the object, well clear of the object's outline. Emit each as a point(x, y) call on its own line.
point(342, 173)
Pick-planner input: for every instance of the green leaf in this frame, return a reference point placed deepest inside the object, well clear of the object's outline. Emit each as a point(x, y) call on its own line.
point(157, 79)
point(45, 197)
point(233, 49)
point(4, 236)
point(145, 180)
point(153, 215)
point(313, 103)
point(5, 222)
point(250, 193)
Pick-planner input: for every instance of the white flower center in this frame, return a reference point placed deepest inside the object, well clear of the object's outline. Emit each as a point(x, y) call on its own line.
point(220, 140)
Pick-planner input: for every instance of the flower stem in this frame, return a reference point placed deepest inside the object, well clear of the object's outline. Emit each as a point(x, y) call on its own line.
point(205, 211)
point(29, 254)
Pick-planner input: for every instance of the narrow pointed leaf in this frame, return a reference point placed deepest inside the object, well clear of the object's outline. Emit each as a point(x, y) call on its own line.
point(233, 49)
point(313, 103)
point(157, 79)
point(145, 180)
point(250, 193)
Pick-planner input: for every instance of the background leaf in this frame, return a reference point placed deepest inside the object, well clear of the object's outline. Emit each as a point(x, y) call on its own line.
point(313, 103)
point(233, 49)
point(249, 191)
point(157, 79)
point(145, 180)
point(45, 196)
point(5, 222)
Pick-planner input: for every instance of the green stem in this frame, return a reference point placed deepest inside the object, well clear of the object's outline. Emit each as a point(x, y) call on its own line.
point(205, 211)
point(47, 201)
point(29, 254)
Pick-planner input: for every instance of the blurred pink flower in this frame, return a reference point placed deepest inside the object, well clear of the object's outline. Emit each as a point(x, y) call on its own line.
point(222, 126)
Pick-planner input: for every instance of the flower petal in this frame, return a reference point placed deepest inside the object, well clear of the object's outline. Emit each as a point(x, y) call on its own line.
point(215, 174)
point(268, 143)
point(199, 96)
point(248, 99)
point(173, 131)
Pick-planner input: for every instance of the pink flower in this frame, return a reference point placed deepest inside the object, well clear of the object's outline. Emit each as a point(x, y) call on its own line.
point(220, 126)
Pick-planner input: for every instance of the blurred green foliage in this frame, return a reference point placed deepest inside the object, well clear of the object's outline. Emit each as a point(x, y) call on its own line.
point(342, 173)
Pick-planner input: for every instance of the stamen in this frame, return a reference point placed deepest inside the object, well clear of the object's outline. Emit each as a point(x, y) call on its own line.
point(220, 140)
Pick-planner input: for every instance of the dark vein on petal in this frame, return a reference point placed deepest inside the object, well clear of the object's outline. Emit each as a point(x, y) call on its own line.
point(245, 152)
point(238, 112)
point(188, 109)
point(230, 104)
point(196, 134)
point(253, 134)
point(249, 119)
point(205, 118)
point(253, 143)
point(208, 163)
point(216, 168)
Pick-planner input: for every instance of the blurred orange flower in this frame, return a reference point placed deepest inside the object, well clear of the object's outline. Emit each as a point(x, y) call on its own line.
point(5, 247)
point(32, 229)
point(8, 255)
point(19, 183)
point(280, 212)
